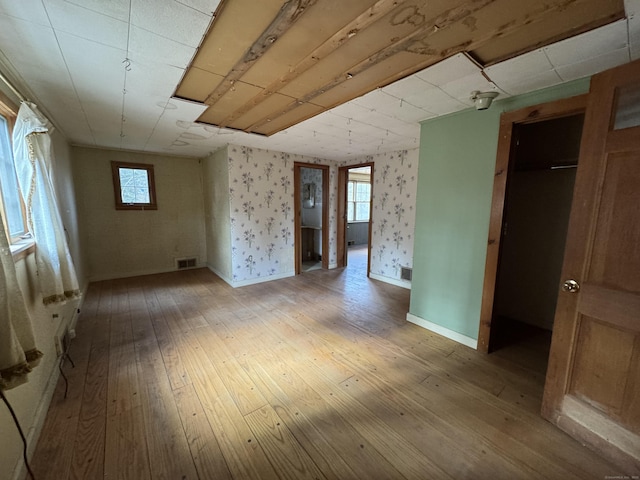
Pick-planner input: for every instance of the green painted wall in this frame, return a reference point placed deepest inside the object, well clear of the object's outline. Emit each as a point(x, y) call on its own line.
point(455, 183)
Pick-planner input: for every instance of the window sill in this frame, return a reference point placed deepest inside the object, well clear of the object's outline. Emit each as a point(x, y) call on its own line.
point(22, 248)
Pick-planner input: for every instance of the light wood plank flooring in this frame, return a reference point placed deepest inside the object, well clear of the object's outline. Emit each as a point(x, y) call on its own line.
point(179, 376)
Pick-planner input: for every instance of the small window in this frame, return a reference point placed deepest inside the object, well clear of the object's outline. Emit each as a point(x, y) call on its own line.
point(11, 204)
point(358, 201)
point(134, 186)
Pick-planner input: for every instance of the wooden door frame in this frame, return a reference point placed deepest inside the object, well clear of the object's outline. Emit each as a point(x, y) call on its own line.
point(297, 199)
point(342, 215)
point(535, 113)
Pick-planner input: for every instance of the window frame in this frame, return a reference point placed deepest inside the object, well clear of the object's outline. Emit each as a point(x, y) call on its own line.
point(356, 202)
point(9, 111)
point(117, 189)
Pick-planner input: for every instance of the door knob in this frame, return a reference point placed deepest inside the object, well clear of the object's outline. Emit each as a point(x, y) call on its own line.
point(570, 286)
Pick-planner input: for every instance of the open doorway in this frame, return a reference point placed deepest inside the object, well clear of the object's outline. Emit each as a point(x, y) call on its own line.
point(355, 185)
point(542, 173)
point(311, 193)
point(530, 217)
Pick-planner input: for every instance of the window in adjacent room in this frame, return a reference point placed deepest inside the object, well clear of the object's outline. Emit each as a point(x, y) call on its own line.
point(134, 186)
point(11, 204)
point(358, 201)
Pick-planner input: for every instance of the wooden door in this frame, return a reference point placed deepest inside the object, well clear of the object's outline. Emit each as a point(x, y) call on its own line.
point(592, 389)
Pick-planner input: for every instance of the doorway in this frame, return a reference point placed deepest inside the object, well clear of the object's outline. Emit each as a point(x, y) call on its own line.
point(533, 190)
point(355, 187)
point(311, 196)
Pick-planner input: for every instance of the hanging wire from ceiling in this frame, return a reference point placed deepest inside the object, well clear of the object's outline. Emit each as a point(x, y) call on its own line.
point(127, 68)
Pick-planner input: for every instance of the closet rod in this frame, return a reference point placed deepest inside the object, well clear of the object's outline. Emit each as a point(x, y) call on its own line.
point(12, 88)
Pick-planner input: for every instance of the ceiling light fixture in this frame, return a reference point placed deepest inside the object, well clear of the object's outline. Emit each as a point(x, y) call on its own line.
point(483, 99)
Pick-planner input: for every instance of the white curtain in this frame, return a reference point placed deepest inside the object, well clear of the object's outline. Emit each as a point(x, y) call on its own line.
point(18, 352)
point(32, 157)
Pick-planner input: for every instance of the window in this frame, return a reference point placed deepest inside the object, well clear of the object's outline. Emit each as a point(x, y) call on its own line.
point(358, 201)
point(134, 186)
point(12, 210)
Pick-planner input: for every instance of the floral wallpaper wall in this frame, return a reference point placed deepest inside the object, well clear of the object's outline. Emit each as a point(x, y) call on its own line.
point(395, 178)
point(262, 212)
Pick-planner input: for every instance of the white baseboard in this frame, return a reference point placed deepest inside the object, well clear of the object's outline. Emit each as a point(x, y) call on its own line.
point(331, 266)
point(136, 273)
point(251, 281)
point(219, 274)
point(393, 281)
point(445, 332)
point(33, 434)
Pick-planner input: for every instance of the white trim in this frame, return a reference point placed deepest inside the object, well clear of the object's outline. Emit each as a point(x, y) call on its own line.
point(393, 281)
point(33, 434)
point(445, 332)
point(138, 273)
point(223, 277)
point(332, 266)
point(253, 281)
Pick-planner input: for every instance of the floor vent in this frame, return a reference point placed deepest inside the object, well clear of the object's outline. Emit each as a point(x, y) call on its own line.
point(182, 263)
point(405, 273)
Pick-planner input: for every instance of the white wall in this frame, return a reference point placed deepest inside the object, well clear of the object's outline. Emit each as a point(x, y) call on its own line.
point(215, 172)
point(123, 243)
point(31, 400)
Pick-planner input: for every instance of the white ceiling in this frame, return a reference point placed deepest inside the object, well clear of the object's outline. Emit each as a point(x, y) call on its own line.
point(104, 72)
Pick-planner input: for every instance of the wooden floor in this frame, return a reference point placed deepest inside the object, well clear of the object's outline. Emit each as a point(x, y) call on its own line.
point(179, 376)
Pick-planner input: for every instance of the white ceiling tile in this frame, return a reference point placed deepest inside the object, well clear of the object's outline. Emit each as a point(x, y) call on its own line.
point(594, 65)
point(154, 79)
point(33, 48)
point(591, 44)
point(158, 49)
point(634, 29)
point(97, 70)
point(82, 22)
point(174, 20)
point(519, 85)
point(406, 86)
point(632, 7)
point(435, 101)
point(461, 88)
point(349, 110)
point(204, 6)
point(531, 63)
point(33, 12)
point(448, 70)
point(113, 8)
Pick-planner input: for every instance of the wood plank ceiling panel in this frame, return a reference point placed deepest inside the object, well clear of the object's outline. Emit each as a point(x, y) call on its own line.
point(264, 66)
point(558, 22)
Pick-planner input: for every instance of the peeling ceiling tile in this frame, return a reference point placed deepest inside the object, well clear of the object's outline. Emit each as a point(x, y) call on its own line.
point(592, 66)
point(605, 39)
point(171, 19)
point(82, 22)
point(448, 70)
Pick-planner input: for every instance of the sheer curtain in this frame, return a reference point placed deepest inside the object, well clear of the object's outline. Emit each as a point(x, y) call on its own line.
point(18, 352)
point(32, 157)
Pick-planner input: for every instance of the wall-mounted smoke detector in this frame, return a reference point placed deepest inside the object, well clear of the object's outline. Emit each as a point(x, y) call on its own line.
point(483, 99)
